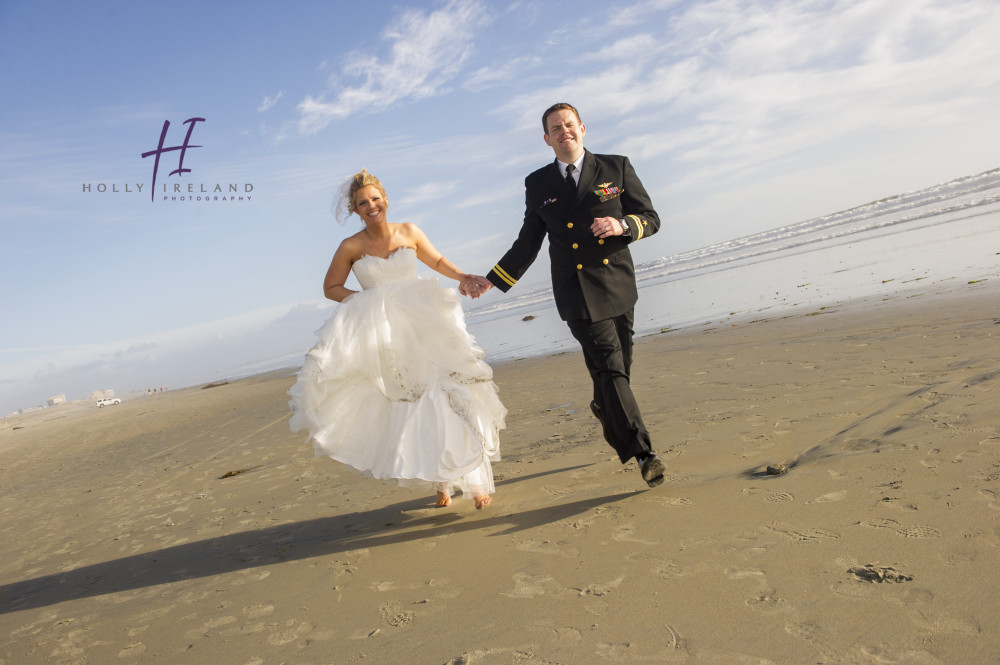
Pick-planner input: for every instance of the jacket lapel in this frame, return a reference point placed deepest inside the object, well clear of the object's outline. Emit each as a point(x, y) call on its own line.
point(553, 180)
point(588, 175)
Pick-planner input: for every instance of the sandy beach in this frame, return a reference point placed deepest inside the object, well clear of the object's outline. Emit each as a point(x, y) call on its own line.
point(193, 527)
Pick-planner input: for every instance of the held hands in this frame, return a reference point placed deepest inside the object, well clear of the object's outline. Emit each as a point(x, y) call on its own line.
point(474, 286)
point(606, 226)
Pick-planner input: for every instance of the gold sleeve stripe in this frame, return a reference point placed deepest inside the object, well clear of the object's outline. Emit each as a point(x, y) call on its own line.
point(638, 225)
point(502, 274)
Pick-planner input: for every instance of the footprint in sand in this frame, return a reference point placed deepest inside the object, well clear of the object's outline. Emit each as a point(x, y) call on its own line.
point(257, 611)
point(901, 530)
point(589, 518)
point(565, 636)
point(932, 459)
point(630, 533)
point(942, 623)
point(532, 586)
point(218, 622)
point(990, 474)
point(815, 635)
point(611, 652)
point(679, 501)
point(916, 597)
point(879, 654)
point(395, 616)
point(810, 632)
point(879, 574)
point(802, 535)
point(766, 601)
point(293, 630)
point(548, 547)
point(881, 523)
point(601, 589)
point(828, 498)
point(445, 588)
point(992, 497)
point(772, 496)
point(137, 630)
point(668, 570)
point(920, 532)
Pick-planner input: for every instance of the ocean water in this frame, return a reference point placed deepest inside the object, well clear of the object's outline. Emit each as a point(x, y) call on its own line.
point(940, 237)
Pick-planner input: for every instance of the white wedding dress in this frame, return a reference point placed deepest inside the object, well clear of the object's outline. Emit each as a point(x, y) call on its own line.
point(396, 387)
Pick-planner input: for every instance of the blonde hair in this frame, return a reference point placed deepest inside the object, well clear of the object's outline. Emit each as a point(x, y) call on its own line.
point(363, 179)
point(343, 201)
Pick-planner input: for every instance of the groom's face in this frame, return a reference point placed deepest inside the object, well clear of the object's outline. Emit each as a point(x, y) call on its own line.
point(564, 134)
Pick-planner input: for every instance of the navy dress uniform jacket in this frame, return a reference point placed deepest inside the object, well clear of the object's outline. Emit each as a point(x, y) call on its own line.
point(592, 278)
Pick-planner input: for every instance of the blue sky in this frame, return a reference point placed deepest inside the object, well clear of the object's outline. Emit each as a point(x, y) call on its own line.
point(738, 116)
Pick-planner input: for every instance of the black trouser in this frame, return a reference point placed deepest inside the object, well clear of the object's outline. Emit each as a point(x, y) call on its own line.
point(607, 350)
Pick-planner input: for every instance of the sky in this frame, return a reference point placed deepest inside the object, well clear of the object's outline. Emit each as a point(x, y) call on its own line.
point(738, 116)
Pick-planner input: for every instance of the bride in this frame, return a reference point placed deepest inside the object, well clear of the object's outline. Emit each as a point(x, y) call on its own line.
point(395, 387)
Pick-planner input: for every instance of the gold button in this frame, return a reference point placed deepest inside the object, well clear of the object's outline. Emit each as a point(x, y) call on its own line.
point(601, 241)
point(570, 225)
point(575, 246)
point(579, 266)
point(605, 262)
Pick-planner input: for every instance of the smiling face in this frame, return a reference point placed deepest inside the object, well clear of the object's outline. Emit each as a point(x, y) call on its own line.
point(370, 204)
point(564, 134)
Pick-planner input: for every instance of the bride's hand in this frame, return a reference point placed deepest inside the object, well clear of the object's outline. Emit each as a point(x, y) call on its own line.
point(474, 286)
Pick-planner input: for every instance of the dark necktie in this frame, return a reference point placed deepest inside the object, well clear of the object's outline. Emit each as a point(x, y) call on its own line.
point(569, 177)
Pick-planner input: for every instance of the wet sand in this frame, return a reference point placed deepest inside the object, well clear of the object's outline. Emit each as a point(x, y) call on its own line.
point(193, 527)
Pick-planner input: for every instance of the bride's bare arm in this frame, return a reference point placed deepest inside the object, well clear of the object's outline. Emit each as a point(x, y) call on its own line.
point(339, 271)
point(429, 254)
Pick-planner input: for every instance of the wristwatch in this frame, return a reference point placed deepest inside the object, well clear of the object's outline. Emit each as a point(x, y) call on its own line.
point(626, 231)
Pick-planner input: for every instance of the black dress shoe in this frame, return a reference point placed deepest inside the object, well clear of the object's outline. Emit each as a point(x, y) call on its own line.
point(652, 469)
point(597, 414)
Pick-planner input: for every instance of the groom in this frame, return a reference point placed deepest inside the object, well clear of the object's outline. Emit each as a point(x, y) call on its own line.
point(591, 207)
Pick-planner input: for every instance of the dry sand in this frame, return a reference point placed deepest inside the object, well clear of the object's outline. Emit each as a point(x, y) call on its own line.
point(123, 541)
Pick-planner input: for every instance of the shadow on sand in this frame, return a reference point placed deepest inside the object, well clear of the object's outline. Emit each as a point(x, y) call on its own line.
point(396, 523)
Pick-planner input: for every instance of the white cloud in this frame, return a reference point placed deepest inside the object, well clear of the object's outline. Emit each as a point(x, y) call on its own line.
point(490, 76)
point(428, 50)
point(268, 102)
point(732, 86)
point(438, 191)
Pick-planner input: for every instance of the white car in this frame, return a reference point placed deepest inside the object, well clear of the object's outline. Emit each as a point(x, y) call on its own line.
point(108, 401)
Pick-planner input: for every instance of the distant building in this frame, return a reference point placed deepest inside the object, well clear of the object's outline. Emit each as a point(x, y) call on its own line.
point(100, 394)
point(58, 399)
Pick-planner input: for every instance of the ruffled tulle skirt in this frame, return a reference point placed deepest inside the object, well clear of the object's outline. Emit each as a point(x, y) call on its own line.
point(397, 389)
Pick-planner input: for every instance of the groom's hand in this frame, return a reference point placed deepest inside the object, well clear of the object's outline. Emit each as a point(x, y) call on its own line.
point(604, 227)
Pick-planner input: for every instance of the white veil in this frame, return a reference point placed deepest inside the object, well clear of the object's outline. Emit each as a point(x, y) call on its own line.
point(341, 206)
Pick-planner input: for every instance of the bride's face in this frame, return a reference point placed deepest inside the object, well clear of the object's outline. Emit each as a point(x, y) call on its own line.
point(370, 204)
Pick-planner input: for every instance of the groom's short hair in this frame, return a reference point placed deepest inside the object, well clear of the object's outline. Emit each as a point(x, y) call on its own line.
point(561, 106)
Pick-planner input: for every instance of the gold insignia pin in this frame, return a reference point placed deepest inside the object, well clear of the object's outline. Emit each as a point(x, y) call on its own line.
point(604, 184)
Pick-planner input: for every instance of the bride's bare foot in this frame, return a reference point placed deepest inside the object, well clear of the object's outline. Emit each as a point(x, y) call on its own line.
point(444, 500)
point(483, 501)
